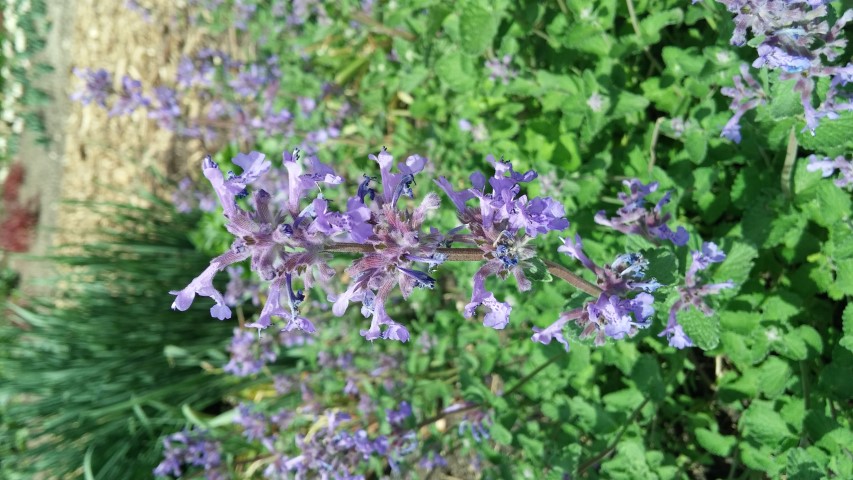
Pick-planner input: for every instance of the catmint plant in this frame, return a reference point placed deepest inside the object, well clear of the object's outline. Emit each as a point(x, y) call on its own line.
point(294, 244)
point(795, 39)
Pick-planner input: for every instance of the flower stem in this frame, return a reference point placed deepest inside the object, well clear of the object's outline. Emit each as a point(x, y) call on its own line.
point(473, 254)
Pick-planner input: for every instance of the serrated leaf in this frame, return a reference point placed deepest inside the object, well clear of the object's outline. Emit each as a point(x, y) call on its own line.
point(847, 326)
point(785, 102)
point(715, 442)
point(737, 265)
point(652, 25)
point(627, 103)
point(477, 27)
point(832, 137)
point(844, 276)
point(500, 434)
point(536, 271)
point(764, 425)
point(782, 306)
point(454, 70)
point(803, 466)
point(704, 330)
point(683, 62)
point(662, 265)
point(773, 374)
point(647, 376)
point(696, 145)
point(793, 346)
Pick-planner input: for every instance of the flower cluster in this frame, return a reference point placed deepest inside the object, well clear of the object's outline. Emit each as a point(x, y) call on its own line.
point(635, 218)
point(250, 353)
point(692, 293)
point(828, 166)
point(624, 306)
point(796, 40)
point(329, 449)
point(501, 226)
point(746, 95)
point(241, 100)
point(191, 448)
point(501, 70)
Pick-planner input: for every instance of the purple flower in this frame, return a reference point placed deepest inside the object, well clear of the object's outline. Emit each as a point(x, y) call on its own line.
point(254, 424)
point(501, 70)
point(635, 218)
point(397, 417)
point(797, 40)
point(622, 309)
point(397, 235)
point(692, 293)
point(249, 353)
point(746, 95)
point(98, 84)
point(828, 166)
point(168, 110)
point(130, 98)
point(190, 448)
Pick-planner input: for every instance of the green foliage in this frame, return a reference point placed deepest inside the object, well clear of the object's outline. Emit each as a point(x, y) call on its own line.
point(591, 96)
point(86, 371)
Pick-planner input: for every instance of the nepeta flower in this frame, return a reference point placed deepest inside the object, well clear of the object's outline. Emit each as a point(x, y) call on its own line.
point(635, 218)
point(397, 236)
point(168, 109)
point(397, 417)
point(249, 353)
point(623, 308)
point(692, 294)
point(500, 69)
point(828, 166)
point(797, 40)
point(191, 448)
point(130, 97)
point(98, 84)
point(746, 95)
point(501, 226)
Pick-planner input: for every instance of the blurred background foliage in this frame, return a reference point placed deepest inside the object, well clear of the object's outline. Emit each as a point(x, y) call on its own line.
point(588, 93)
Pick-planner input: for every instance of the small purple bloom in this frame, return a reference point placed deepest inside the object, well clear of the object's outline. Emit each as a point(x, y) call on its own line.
point(828, 166)
point(97, 86)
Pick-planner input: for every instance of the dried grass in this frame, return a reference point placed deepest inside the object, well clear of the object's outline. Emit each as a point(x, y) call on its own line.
point(111, 159)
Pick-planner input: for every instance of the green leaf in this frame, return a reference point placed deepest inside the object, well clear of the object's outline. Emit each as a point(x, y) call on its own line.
point(500, 434)
point(762, 424)
point(647, 376)
point(681, 62)
point(628, 103)
point(827, 204)
point(477, 27)
point(737, 265)
point(847, 326)
point(844, 276)
point(774, 374)
point(803, 466)
point(455, 71)
point(536, 271)
point(782, 306)
point(715, 442)
point(704, 330)
point(832, 137)
point(696, 145)
point(652, 25)
point(663, 265)
point(784, 101)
